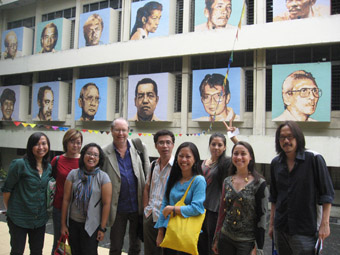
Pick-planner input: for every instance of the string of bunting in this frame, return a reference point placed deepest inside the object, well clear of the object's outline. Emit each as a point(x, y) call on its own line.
point(59, 128)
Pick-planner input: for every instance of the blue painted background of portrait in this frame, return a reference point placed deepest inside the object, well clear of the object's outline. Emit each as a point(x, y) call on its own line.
point(279, 6)
point(19, 33)
point(103, 95)
point(41, 25)
point(235, 16)
point(161, 80)
point(105, 15)
point(16, 89)
point(55, 88)
point(234, 78)
point(322, 74)
point(163, 26)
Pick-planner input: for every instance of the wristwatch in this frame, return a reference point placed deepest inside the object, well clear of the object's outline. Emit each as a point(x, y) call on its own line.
point(102, 229)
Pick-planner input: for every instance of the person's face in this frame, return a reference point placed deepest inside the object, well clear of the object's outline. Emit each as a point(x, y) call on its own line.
point(287, 140)
point(185, 159)
point(152, 21)
point(212, 100)
point(49, 39)
point(94, 32)
point(216, 147)
point(146, 100)
point(74, 146)
point(47, 104)
point(241, 157)
point(298, 8)
point(303, 105)
point(7, 108)
point(90, 101)
point(164, 146)
point(120, 132)
point(91, 158)
point(41, 148)
point(12, 46)
point(220, 13)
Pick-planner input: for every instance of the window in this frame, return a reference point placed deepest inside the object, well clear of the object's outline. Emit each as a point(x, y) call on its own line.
point(100, 71)
point(29, 22)
point(268, 89)
point(156, 66)
point(250, 12)
point(115, 4)
point(249, 90)
point(178, 94)
point(69, 13)
point(179, 17)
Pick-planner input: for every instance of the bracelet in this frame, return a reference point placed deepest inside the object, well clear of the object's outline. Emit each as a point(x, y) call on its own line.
point(174, 212)
point(102, 229)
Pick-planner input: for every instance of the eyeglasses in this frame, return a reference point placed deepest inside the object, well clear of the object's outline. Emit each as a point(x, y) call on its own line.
point(120, 131)
point(75, 142)
point(91, 99)
point(162, 143)
point(305, 92)
point(89, 154)
point(218, 98)
point(283, 138)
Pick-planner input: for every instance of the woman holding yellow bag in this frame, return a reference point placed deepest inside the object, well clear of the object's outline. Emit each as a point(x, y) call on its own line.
point(185, 181)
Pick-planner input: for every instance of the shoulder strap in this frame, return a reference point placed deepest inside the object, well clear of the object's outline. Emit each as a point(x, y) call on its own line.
point(54, 168)
point(137, 143)
point(153, 163)
point(186, 192)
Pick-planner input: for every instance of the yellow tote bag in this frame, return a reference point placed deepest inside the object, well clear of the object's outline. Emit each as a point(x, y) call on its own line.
point(182, 233)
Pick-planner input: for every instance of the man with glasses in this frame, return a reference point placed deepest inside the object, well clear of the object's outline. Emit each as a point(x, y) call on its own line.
point(215, 98)
point(88, 101)
point(49, 38)
point(146, 100)
point(155, 188)
point(125, 169)
point(300, 95)
point(45, 100)
point(300, 182)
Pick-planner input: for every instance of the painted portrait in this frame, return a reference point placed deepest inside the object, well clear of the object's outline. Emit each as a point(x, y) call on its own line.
point(91, 99)
point(292, 9)
point(10, 102)
point(211, 101)
point(217, 14)
point(301, 92)
point(148, 97)
point(94, 28)
point(45, 101)
point(149, 19)
point(12, 43)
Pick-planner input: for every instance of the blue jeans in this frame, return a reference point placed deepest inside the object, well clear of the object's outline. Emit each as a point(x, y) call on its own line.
point(18, 235)
point(56, 216)
point(294, 244)
point(231, 247)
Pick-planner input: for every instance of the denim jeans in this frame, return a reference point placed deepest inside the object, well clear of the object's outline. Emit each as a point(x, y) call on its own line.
point(18, 235)
point(56, 216)
point(294, 244)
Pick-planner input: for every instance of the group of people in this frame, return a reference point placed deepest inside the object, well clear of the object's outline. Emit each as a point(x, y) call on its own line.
point(111, 186)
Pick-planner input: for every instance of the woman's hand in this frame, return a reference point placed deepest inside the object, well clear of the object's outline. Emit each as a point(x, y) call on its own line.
point(253, 251)
point(100, 235)
point(229, 128)
point(214, 247)
point(64, 231)
point(160, 236)
point(167, 210)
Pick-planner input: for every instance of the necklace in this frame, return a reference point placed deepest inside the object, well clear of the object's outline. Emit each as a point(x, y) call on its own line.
point(246, 180)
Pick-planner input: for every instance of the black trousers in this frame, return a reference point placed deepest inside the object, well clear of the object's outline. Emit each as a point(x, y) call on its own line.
point(18, 235)
point(80, 241)
point(205, 240)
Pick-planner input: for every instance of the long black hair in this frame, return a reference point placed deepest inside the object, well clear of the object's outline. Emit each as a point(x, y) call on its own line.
point(33, 141)
point(84, 150)
point(251, 165)
point(223, 162)
point(176, 173)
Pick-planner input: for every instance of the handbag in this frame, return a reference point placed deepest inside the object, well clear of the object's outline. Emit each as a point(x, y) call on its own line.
point(182, 233)
point(50, 193)
point(62, 247)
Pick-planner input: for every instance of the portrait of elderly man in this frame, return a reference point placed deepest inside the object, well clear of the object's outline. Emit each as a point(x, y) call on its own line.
point(49, 38)
point(146, 100)
point(93, 28)
point(301, 9)
point(7, 101)
point(45, 103)
point(215, 98)
point(11, 45)
point(88, 101)
point(300, 95)
point(217, 13)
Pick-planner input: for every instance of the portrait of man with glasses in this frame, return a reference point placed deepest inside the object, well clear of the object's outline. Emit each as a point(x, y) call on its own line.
point(215, 97)
point(300, 94)
point(89, 101)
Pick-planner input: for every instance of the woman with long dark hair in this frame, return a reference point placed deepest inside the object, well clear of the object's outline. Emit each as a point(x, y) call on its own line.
point(243, 206)
point(147, 20)
point(86, 202)
point(24, 194)
point(62, 165)
point(186, 167)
